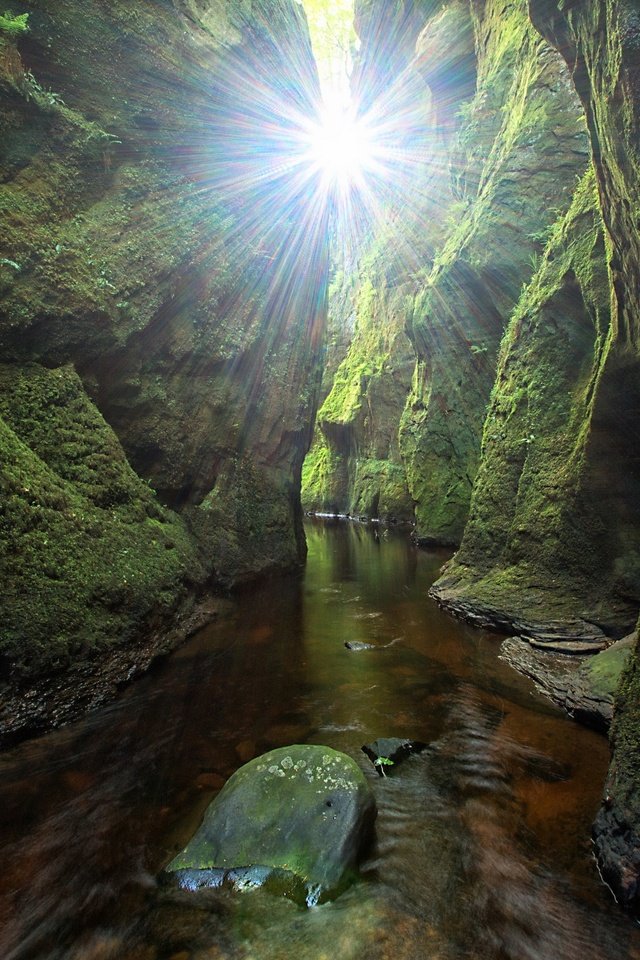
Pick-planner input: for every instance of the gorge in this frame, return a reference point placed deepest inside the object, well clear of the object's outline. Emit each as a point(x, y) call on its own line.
point(202, 338)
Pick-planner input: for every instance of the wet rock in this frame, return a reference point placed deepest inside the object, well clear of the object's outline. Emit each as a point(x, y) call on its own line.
point(568, 646)
point(591, 690)
point(387, 752)
point(617, 849)
point(303, 811)
point(583, 685)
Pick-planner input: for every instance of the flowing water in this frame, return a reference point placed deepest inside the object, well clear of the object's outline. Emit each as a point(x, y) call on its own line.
point(482, 848)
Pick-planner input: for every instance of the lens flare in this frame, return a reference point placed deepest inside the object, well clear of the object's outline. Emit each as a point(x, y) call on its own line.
point(341, 147)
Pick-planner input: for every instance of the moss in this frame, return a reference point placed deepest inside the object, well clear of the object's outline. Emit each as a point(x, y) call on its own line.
point(625, 740)
point(604, 670)
point(324, 478)
point(519, 144)
point(88, 555)
point(250, 522)
point(354, 464)
point(540, 541)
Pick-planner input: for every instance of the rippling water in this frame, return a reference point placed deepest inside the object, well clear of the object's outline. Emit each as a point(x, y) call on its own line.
point(482, 847)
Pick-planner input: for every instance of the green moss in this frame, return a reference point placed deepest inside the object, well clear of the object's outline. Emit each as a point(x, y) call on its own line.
point(250, 522)
point(88, 555)
point(520, 143)
point(354, 464)
point(13, 25)
point(542, 540)
point(624, 773)
point(604, 670)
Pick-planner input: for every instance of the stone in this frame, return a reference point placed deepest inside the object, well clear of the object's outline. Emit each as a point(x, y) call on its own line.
point(298, 817)
point(591, 690)
point(387, 752)
point(583, 685)
point(568, 646)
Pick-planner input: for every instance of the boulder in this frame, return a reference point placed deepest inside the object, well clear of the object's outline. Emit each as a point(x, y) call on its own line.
point(302, 810)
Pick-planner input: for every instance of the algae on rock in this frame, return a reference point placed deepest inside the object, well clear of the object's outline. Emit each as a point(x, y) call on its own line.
point(541, 542)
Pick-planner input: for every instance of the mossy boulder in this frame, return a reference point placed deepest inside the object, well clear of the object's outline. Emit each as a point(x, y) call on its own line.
point(306, 810)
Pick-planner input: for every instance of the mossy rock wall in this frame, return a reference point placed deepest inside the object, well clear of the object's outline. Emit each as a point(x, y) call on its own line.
point(354, 465)
point(544, 540)
point(87, 552)
point(147, 290)
point(601, 42)
point(515, 150)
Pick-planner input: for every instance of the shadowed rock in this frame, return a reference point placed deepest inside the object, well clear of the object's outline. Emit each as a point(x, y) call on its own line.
point(390, 751)
point(305, 811)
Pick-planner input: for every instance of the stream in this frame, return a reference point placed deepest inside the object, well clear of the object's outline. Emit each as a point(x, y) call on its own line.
point(482, 844)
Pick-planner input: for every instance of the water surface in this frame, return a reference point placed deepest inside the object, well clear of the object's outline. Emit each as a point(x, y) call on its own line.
point(482, 848)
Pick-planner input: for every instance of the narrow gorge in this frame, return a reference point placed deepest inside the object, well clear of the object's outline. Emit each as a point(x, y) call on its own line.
point(223, 320)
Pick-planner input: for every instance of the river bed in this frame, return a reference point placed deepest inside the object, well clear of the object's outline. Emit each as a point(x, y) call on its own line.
point(482, 842)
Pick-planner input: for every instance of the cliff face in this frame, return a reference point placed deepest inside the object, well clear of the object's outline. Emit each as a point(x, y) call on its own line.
point(513, 163)
point(601, 42)
point(160, 316)
point(354, 465)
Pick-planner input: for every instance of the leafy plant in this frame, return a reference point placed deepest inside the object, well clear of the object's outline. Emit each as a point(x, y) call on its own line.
point(380, 763)
point(14, 26)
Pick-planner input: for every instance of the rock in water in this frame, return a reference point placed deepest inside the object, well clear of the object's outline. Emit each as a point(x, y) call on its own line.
point(391, 751)
point(303, 809)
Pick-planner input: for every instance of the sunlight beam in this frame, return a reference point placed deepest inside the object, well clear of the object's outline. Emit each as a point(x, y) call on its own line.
point(341, 148)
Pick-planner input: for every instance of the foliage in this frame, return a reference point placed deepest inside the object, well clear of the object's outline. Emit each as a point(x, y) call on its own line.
point(332, 39)
point(381, 762)
point(12, 25)
point(88, 554)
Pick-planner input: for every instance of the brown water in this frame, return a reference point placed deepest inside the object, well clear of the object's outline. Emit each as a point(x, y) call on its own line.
point(482, 848)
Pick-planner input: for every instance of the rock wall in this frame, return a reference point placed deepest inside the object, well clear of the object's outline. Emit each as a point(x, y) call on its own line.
point(601, 42)
point(160, 317)
point(513, 160)
point(354, 465)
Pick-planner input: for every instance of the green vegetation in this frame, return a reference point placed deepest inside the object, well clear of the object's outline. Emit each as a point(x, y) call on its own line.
point(520, 143)
point(88, 554)
point(332, 38)
point(354, 464)
point(13, 26)
point(540, 531)
point(141, 349)
point(381, 762)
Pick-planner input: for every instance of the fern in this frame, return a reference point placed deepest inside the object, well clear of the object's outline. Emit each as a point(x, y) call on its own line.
point(14, 26)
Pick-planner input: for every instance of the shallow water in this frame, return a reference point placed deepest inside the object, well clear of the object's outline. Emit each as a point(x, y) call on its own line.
point(482, 847)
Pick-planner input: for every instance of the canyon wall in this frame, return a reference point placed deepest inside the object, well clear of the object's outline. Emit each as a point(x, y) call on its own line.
point(601, 44)
point(519, 437)
point(162, 301)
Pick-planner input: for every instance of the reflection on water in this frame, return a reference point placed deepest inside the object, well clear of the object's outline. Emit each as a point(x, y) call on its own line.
point(482, 847)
